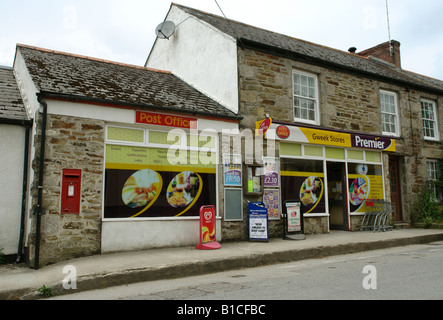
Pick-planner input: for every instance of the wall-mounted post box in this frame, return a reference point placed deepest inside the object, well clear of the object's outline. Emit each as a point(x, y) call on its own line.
point(71, 185)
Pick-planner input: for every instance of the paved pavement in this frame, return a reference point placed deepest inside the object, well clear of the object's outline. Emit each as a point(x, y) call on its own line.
point(109, 270)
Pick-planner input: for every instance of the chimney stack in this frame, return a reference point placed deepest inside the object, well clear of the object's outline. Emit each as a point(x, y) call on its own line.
point(352, 50)
point(383, 51)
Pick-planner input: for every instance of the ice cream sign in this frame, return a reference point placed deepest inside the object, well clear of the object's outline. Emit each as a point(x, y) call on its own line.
point(331, 138)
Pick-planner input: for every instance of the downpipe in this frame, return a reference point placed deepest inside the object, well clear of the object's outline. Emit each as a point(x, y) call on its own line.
point(39, 212)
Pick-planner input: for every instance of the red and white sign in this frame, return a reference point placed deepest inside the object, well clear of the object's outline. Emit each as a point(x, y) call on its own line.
point(167, 120)
point(208, 236)
point(263, 126)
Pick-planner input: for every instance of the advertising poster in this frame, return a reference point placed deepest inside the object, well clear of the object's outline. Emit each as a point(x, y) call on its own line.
point(271, 199)
point(306, 186)
point(270, 173)
point(232, 170)
point(365, 182)
point(141, 183)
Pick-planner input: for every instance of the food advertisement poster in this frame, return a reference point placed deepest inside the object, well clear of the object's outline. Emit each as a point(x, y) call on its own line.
point(365, 182)
point(271, 199)
point(141, 183)
point(232, 170)
point(306, 186)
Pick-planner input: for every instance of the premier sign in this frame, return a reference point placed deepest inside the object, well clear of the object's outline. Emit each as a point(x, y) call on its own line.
point(331, 138)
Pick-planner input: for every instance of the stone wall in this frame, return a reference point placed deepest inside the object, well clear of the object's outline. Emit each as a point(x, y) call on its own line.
point(71, 143)
point(347, 102)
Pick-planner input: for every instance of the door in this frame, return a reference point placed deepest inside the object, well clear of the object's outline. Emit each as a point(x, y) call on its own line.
point(337, 196)
point(394, 178)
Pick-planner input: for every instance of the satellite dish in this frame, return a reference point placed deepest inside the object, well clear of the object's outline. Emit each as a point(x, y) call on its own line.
point(165, 30)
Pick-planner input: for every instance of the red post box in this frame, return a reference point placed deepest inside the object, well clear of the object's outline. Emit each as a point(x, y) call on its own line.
point(71, 185)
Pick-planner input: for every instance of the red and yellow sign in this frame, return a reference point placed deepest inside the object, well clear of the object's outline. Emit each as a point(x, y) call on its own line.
point(167, 120)
point(261, 127)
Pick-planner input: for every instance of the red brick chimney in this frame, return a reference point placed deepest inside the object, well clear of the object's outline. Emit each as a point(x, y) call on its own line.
point(389, 52)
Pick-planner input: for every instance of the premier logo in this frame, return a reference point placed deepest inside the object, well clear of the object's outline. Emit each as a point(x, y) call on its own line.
point(370, 143)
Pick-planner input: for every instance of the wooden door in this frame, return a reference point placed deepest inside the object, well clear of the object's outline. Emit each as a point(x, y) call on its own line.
point(394, 177)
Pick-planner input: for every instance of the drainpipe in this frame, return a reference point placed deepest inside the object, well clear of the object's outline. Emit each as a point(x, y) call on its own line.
point(25, 188)
point(40, 182)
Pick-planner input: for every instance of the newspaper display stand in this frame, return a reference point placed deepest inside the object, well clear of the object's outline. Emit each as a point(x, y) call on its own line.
point(258, 222)
point(293, 221)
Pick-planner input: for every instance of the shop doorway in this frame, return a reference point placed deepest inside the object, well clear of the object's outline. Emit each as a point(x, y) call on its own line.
point(337, 196)
point(394, 177)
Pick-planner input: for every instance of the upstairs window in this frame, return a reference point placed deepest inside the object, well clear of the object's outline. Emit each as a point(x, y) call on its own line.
point(429, 116)
point(306, 105)
point(389, 113)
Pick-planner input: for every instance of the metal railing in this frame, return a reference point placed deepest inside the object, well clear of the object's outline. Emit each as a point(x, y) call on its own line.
point(377, 215)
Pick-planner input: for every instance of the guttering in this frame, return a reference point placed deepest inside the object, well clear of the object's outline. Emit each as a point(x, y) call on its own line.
point(100, 101)
point(40, 182)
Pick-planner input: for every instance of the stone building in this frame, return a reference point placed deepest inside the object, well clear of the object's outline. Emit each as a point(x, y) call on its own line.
point(348, 125)
point(102, 177)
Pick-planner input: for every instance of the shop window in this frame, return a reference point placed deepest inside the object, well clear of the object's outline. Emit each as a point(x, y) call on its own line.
point(335, 153)
point(373, 156)
point(303, 181)
point(365, 182)
point(356, 155)
point(306, 102)
point(201, 141)
point(429, 116)
point(289, 149)
point(160, 137)
point(313, 151)
point(126, 135)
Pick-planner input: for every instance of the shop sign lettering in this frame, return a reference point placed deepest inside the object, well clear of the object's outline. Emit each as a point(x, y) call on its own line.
point(166, 120)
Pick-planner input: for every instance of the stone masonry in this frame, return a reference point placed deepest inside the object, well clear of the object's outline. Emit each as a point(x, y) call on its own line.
point(347, 102)
point(71, 143)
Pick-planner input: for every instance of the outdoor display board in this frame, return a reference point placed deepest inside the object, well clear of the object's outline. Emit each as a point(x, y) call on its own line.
point(208, 235)
point(258, 222)
point(293, 221)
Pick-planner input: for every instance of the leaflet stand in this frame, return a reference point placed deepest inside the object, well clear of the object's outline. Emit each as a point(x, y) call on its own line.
point(208, 229)
point(293, 221)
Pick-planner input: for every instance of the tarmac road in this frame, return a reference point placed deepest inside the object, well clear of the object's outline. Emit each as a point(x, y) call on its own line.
point(402, 273)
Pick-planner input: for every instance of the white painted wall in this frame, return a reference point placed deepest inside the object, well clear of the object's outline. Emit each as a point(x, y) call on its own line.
point(12, 140)
point(121, 236)
point(201, 55)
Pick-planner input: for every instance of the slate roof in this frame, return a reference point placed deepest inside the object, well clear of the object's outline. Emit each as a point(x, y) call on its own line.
point(11, 104)
point(76, 77)
point(251, 35)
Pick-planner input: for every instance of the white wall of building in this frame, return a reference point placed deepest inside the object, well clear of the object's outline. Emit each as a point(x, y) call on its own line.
point(12, 142)
point(201, 55)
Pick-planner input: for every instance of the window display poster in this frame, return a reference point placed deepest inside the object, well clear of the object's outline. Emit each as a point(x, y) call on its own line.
point(308, 187)
point(271, 199)
point(232, 170)
point(138, 185)
point(270, 172)
point(365, 182)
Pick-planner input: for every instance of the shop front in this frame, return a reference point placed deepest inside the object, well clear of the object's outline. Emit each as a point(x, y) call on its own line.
point(331, 173)
point(158, 174)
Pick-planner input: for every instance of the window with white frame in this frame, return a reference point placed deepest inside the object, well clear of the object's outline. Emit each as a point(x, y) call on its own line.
point(389, 113)
point(433, 175)
point(306, 102)
point(429, 116)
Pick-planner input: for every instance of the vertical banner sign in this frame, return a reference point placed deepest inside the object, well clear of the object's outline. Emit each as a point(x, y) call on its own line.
point(258, 222)
point(208, 229)
point(232, 170)
point(271, 173)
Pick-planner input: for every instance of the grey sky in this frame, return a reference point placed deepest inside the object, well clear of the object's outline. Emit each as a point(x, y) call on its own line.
point(124, 31)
